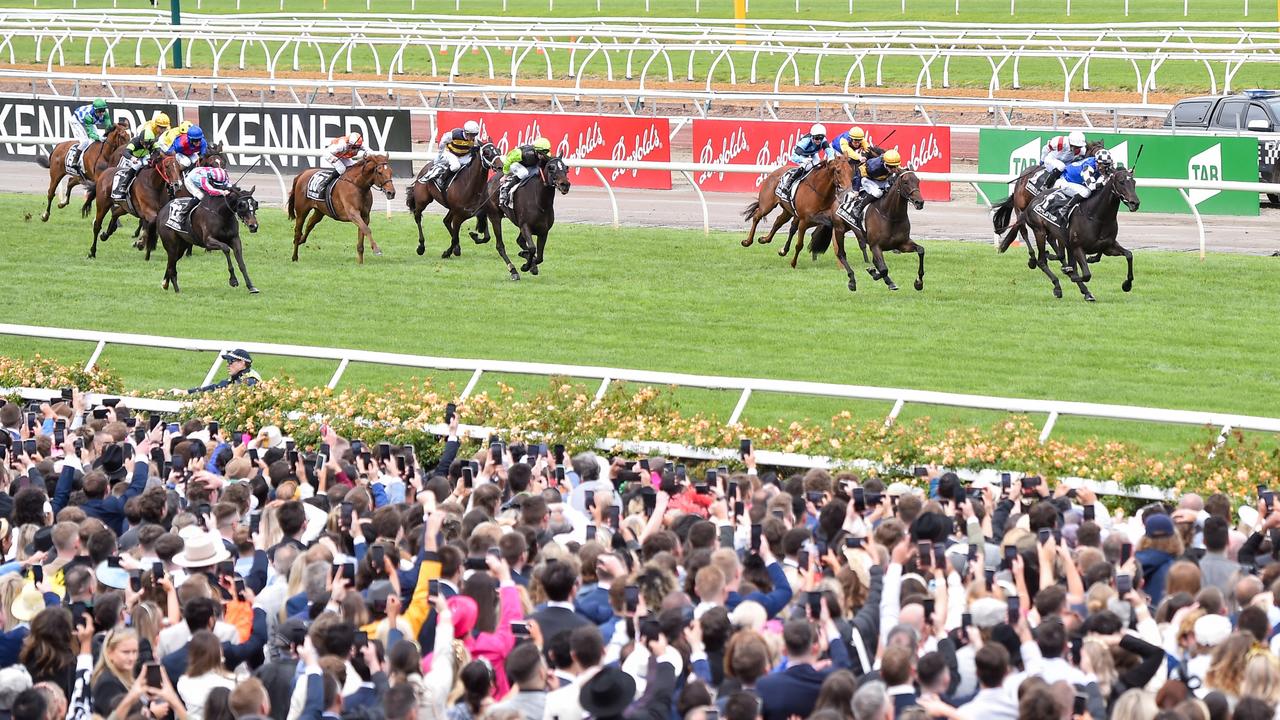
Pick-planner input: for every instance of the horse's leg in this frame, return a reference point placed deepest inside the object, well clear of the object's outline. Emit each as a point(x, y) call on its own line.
point(171, 268)
point(481, 234)
point(114, 223)
point(1043, 262)
point(791, 235)
point(453, 236)
point(782, 219)
point(803, 228)
point(230, 269)
point(417, 218)
point(837, 238)
point(1114, 250)
point(527, 250)
point(312, 222)
point(298, 219)
point(373, 244)
point(1081, 275)
point(878, 256)
point(54, 179)
point(238, 248)
point(496, 219)
point(1032, 262)
point(362, 225)
point(542, 246)
point(919, 250)
point(100, 211)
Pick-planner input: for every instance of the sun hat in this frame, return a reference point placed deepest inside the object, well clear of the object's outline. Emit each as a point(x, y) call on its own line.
point(270, 437)
point(111, 576)
point(1212, 629)
point(202, 551)
point(28, 604)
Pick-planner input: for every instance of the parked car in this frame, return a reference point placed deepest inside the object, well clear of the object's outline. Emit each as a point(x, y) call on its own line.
point(1256, 111)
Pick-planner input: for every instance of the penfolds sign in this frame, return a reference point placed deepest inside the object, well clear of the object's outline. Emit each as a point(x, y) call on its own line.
point(769, 142)
point(575, 137)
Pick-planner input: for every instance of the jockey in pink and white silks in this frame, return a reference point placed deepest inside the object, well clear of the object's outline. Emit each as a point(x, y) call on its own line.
point(204, 182)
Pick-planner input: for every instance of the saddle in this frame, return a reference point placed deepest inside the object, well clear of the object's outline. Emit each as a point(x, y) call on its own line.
point(180, 215)
point(1053, 208)
point(320, 188)
point(848, 212)
point(786, 190)
point(71, 163)
point(507, 193)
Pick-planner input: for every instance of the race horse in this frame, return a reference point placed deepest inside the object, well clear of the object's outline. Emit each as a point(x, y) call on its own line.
point(887, 227)
point(814, 194)
point(92, 161)
point(153, 186)
point(212, 224)
point(1091, 230)
point(350, 198)
point(1021, 198)
point(768, 199)
point(463, 198)
point(532, 211)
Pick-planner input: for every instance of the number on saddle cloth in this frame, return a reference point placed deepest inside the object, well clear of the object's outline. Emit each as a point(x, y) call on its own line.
point(1051, 207)
point(786, 189)
point(180, 215)
point(846, 209)
point(320, 185)
point(71, 163)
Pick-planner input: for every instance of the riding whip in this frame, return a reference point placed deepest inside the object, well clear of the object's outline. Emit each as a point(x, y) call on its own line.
point(1134, 167)
point(246, 172)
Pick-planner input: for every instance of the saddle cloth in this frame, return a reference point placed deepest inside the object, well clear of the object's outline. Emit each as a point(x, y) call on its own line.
point(320, 188)
point(845, 210)
point(786, 191)
point(1033, 182)
point(180, 215)
point(1051, 207)
point(71, 163)
point(507, 202)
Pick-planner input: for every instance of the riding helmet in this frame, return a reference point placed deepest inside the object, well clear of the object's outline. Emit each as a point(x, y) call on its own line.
point(817, 131)
point(857, 133)
point(195, 133)
point(471, 128)
point(160, 120)
point(1075, 139)
point(892, 158)
point(1104, 159)
point(542, 145)
point(99, 104)
point(355, 139)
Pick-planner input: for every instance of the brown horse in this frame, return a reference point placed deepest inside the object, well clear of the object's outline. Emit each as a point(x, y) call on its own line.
point(1021, 198)
point(765, 202)
point(351, 200)
point(888, 227)
point(464, 198)
point(814, 195)
point(213, 226)
point(93, 160)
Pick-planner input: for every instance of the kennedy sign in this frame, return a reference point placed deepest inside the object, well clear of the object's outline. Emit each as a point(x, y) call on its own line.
point(580, 136)
point(32, 117)
point(300, 127)
point(769, 142)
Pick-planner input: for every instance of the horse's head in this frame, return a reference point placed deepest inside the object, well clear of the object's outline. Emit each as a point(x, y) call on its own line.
point(842, 173)
point(1125, 187)
point(490, 155)
point(379, 169)
point(214, 157)
point(119, 134)
point(245, 207)
point(909, 185)
point(556, 174)
point(1092, 148)
point(168, 169)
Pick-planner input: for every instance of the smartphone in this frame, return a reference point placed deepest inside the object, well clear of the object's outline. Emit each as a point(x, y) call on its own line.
point(520, 630)
point(1080, 706)
point(966, 619)
point(702, 488)
point(154, 678)
point(345, 517)
point(468, 477)
point(179, 462)
point(859, 500)
point(37, 574)
point(348, 572)
point(31, 419)
point(756, 529)
point(128, 449)
point(60, 424)
point(815, 605)
point(362, 639)
point(1044, 535)
point(1005, 480)
point(632, 595)
point(814, 496)
point(292, 457)
point(650, 502)
point(290, 446)
point(588, 499)
point(591, 532)
point(1126, 552)
point(226, 567)
point(726, 536)
point(644, 463)
point(401, 464)
point(560, 474)
point(744, 447)
point(409, 455)
point(433, 588)
point(920, 471)
point(157, 455)
point(78, 612)
point(739, 509)
point(377, 557)
point(1010, 552)
point(59, 436)
point(991, 578)
point(802, 558)
point(29, 446)
point(384, 451)
point(973, 552)
point(615, 517)
point(1014, 610)
point(1268, 499)
point(450, 411)
point(1090, 515)
point(712, 478)
point(711, 714)
point(853, 542)
point(681, 472)
point(253, 455)
point(929, 607)
point(1124, 583)
point(495, 452)
point(924, 553)
point(135, 580)
point(940, 557)
point(557, 450)
point(1029, 484)
point(157, 570)
point(153, 421)
point(172, 428)
point(100, 413)
point(733, 490)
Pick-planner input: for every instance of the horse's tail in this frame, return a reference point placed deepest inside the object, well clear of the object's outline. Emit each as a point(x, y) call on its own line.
point(750, 210)
point(1012, 233)
point(289, 205)
point(43, 161)
point(820, 240)
point(1003, 213)
point(408, 195)
point(89, 196)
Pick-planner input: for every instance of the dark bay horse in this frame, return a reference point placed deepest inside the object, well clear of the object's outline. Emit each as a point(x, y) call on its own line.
point(533, 213)
point(1021, 198)
point(93, 160)
point(351, 198)
point(1091, 230)
point(813, 195)
point(213, 223)
point(463, 198)
point(888, 227)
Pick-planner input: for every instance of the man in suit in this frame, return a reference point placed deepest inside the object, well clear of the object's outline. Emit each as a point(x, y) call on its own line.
point(226, 517)
point(794, 690)
point(898, 669)
point(560, 581)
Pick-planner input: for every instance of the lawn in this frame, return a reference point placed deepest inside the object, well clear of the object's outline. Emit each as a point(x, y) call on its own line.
point(1189, 336)
point(1180, 76)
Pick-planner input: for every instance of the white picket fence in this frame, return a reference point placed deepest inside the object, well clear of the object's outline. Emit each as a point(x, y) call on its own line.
point(606, 376)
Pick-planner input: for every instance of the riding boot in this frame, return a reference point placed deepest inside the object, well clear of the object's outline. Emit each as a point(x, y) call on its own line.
point(1049, 178)
point(504, 192)
point(120, 184)
point(859, 208)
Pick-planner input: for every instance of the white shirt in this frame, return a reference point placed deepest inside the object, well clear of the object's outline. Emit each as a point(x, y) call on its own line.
point(563, 703)
point(174, 637)
point(195, 690)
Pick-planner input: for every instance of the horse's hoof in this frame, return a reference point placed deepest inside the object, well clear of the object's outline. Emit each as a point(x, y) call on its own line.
point(919, 284)
point(526, 267)
point(479, 239)
point(748, 242)
point(1126, 286)
point(253, 290)
point(1031, 264)
point(1069, 270)
point(1057, 292)
point(853, 287)
point(447, 252)
point(892, 286)
point(1089, 298)
point(534, 269)
point(765, 241)
point(457, 250)
point(422, 249)
point(377, 253)
point(44, 217)
point(515, 276)
point(234, 282)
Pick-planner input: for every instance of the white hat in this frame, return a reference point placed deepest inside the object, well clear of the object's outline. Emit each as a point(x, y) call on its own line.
point(1248, 515)
point(202, 551)
point(190, 532)
point(1212, 629)
point(270, 437)
point(28, 604)
point(988, 612)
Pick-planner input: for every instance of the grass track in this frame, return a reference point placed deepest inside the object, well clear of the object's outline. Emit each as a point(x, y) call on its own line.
point(1189, 336)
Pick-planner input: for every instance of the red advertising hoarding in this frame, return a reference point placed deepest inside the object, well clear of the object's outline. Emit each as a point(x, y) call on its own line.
point(580, 136)
point(769, 142)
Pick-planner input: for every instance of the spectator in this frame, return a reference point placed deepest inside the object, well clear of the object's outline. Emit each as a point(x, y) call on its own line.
point(114, 674)
point(204, 673)
point(477, 683)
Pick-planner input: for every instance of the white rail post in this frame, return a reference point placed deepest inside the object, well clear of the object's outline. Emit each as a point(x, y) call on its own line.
point(893, 414)
point(742, 405)
point(1048, 426)
point(613, 201)
point(337, 374)
point(471, 384)
point(93, 359)
point(213, 369)
point(706, 212)
point(604, 387)
point(1222, 440)
point(1195, 212)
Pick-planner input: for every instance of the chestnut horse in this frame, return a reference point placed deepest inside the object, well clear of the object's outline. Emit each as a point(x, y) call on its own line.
point(888, 227)
point(351, 199)
point(463, 198)
point(93, 160)
point(813, 194)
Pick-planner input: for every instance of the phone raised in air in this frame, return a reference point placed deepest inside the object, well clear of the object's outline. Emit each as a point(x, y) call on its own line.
point(154, 678)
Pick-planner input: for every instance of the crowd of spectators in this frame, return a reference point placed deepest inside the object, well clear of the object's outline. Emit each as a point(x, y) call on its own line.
point(191, 571)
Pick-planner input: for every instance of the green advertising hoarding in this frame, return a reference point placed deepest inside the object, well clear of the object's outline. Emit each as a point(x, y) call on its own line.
point(1163, 156)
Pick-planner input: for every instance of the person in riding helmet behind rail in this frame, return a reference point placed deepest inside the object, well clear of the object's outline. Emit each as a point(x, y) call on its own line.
point(343, 152)
point(877, 174)
point(856, 145)
point(519, 163)
point(455, 151)
point(808, 153)
point(1057, 153)
point(1078, 182)
point(137, 154)
point(89, 119)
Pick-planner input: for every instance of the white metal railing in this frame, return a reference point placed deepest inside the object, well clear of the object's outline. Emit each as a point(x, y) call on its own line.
point(275, 42)
point(688, 168)
point(430, 96)
point(1054, 409)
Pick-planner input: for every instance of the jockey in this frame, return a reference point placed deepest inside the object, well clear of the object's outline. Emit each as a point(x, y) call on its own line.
point(455, 151)
point(165, 142)
point(188, 146)
point(1057, 153)
point(205, 182)
point(855, 144)
point(1078, 182)
point(343, 152)
point(137, 153)
point(518, 163)
point(808, 153)
point(89, 118)
point(877, 173)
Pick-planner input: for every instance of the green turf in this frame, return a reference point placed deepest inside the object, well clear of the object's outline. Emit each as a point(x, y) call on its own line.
point(969, 73)
point(1191, 335)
